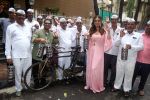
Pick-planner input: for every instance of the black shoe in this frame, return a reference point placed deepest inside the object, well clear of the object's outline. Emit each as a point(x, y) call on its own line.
point(126, 94)
point(114, 90)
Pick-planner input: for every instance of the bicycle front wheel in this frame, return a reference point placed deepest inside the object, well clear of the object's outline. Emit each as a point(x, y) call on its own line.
point(41, 79)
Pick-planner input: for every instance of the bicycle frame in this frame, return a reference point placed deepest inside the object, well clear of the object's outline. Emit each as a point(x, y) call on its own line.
point(47, 70)
point(73, 53)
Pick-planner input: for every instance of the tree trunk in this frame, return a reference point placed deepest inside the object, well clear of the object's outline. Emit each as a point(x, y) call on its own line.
point(27, 4)
point(130, 7)
point(96, 7)
point(121, 10)
point(11, 3)
point(137, 9)
point(145, 16)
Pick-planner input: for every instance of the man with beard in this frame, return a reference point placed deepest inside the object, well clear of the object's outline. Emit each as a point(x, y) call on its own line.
point(65, 38)
point(142, 66)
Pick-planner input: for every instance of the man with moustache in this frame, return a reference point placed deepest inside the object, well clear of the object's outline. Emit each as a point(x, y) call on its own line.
point(18, 48)
point(129, 43)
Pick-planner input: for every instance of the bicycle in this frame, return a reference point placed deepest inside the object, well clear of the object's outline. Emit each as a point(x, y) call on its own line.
point(47, 67)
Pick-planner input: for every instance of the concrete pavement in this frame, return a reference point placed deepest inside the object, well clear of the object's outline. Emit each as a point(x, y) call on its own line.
point(75, 91)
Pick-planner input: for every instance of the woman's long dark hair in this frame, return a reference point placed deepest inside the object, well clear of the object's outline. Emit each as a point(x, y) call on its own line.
point(93, 27)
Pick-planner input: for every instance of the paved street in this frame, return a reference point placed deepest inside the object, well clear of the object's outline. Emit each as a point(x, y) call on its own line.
point(74, 91)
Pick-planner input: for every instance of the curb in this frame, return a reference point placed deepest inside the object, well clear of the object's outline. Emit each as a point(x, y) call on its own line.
point(8, 90)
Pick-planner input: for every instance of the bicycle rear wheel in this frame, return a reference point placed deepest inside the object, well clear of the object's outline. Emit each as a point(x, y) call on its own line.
point(42, 78)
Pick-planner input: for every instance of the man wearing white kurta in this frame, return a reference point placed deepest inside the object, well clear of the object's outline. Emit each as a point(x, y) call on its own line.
point(65, 38)
point(18, 48)
point(80, 30)
point(133, 42)
point(30, 21)
point(79, 33)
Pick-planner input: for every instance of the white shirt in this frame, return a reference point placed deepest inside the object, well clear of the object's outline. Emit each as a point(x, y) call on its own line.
point(135, 40)
point(114, 35)
point(32, 24)
point(65, 38)
point(18, 41)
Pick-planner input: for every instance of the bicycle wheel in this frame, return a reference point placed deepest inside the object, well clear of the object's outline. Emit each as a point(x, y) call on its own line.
point(39, 80)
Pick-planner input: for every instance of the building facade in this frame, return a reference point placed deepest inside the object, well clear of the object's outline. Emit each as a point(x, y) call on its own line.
point(65, 7)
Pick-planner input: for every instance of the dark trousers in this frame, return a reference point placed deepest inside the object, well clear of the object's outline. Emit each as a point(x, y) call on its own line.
point(109, 62)
point(143, 70)
point(35, 71)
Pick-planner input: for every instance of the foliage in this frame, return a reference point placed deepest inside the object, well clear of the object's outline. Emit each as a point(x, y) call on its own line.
point(130, 7)
point(145, 16)
point(52, 10)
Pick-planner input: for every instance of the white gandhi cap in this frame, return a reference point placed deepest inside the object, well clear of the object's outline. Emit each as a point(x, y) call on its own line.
point(79, 17)
point(20, 11)
point(125, 19)
point(30, 10)
point(11, 10)
point(79, 20)
point(131, 20)
point(62, 20)
point(39, 17)
point(114, 17)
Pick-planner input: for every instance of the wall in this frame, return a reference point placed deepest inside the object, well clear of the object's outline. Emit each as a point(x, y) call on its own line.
point(68, 7)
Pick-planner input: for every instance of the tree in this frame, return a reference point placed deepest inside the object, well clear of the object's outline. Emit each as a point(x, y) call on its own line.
point(145, 14)
point(27, 4)
point(130, 7)
point(139, 4)
point(11, 3)
point(121, 10)
point(96, 7)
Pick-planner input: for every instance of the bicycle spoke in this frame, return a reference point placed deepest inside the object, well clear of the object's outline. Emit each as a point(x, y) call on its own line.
point(41, 79)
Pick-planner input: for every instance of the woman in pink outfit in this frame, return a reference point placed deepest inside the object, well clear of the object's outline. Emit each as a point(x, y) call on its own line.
point(99, 42)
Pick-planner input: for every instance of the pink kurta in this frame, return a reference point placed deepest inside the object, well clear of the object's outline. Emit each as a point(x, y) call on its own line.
point(95, 62)
point(144, 55)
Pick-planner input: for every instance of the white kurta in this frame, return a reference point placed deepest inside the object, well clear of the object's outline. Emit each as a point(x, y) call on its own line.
point(18, 48)
point(65, 41)
point(125, 68)
point(32, 24)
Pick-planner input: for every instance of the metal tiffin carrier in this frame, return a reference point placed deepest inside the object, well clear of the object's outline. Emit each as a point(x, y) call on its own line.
point(49, 51)
point(124, 53)
point(40, 51)
point(85, 42)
